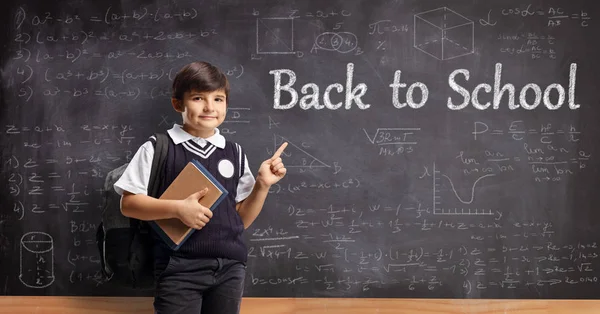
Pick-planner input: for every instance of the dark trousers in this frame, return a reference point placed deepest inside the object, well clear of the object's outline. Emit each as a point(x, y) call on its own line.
point(199, 286)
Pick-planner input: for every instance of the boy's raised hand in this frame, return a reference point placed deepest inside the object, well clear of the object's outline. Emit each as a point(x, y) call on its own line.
point(272, 169)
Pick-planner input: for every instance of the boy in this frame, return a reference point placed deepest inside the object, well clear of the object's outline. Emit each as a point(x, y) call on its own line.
point(206, 275)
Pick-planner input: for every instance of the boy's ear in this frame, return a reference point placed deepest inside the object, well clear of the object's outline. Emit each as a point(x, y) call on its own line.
point(177, 104)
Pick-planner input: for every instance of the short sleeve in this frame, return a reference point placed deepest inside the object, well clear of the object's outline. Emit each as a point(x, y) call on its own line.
point(136, 176)
point(246, 183)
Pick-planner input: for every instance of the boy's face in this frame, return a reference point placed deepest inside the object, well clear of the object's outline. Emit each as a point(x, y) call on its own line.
point(202, 112)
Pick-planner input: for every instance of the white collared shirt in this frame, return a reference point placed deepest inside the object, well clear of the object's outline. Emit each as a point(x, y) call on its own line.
point(179, 135)
point(135, 178)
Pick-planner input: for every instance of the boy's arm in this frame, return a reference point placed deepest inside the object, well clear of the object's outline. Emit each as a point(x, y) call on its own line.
point(135, 203)
point(144, 207)
point(249, 208)
point(269, 173)
point(133, 187)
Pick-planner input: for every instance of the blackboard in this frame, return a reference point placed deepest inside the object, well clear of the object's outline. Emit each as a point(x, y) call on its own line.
point(413, 172)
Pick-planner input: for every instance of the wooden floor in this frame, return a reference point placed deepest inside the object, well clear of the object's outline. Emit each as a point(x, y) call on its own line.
point(101, 305)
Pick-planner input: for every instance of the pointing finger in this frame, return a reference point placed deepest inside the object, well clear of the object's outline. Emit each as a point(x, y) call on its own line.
point(279, 151)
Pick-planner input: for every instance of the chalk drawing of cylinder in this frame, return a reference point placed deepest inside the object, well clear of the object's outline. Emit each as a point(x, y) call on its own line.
point(37, 260)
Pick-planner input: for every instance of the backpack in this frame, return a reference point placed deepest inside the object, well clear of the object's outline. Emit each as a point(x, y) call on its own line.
point(126, 244)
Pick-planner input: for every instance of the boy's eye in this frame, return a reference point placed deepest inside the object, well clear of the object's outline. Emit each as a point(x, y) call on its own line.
point(219, 99)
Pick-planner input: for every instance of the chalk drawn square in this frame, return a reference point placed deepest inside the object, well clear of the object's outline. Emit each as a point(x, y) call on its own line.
point(443, 34)
point(275, 36)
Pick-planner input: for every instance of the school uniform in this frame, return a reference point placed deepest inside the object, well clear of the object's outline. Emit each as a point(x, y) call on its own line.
point(206, 275)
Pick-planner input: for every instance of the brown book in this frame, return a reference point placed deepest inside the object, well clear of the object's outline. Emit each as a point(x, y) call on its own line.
point(193, 178)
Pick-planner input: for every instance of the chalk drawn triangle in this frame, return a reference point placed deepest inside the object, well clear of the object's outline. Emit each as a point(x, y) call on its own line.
point(296, 157)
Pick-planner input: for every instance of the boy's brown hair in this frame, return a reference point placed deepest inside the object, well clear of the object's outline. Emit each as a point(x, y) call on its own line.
point(199, 76)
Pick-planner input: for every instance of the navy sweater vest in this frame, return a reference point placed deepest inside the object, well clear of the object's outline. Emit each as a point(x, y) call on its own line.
point(222, 235)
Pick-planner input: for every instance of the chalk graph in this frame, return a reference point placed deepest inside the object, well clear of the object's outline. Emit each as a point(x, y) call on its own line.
point(466, 207)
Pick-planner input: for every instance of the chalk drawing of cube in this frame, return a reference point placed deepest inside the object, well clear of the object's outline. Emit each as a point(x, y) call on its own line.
point(443, 34)
point(275, 35)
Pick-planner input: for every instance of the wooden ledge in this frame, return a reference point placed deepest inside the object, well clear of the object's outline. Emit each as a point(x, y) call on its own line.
point(106, 305)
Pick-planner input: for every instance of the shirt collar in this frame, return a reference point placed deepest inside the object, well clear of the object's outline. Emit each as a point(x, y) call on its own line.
point(179, 135)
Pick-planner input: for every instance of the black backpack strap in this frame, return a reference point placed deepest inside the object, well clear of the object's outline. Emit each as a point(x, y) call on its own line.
point(158, 163)
point(161, 147)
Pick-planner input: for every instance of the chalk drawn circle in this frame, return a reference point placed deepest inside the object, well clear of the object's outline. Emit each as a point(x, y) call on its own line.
point(342, 42)
point(226, 168)
point(37, 242)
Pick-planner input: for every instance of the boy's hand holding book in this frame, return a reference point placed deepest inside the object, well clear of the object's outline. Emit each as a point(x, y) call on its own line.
point(197, 193)
point(192, 213)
